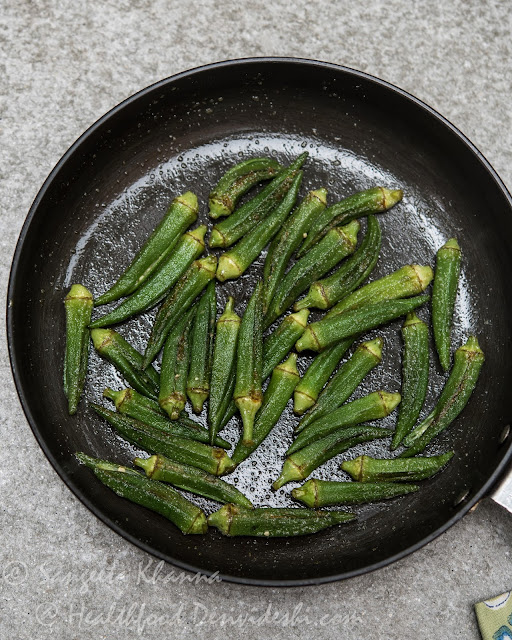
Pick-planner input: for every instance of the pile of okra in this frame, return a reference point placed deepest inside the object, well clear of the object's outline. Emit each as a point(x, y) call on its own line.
point(314, 260)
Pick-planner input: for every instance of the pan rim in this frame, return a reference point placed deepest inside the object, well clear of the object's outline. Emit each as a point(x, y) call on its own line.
point(460, 511)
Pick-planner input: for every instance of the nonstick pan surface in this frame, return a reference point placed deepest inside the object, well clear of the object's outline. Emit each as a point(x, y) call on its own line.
point(110, 189)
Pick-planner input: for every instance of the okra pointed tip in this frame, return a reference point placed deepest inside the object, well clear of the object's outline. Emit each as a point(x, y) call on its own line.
point(228, 268)
point(217, 239)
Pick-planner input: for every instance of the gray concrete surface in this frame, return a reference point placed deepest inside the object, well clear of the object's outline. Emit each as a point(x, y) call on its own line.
point(63, 574)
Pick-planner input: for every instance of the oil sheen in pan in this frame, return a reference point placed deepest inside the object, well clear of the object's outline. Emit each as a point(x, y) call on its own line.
point(410, 235)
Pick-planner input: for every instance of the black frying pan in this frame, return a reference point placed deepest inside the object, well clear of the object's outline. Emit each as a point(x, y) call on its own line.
point(114, 183)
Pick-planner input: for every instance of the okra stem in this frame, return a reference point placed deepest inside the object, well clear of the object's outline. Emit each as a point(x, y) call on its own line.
point(282, 383)
point(373, 406)
point(248, 395)
point(444, 292)
point(191, 479)
point(367, 469)
point(345, 381)
point(201, 357)
point(190, 246)
point(468, 362)
point(78, 306)
point(181, 298)
point(237, 181)
point(324, 493)
point(105, 465)
point(175, 361)
point(361, 204)
point(270, 522)
point(414, 376)
point(337, 244)
point(288, 239)
point(180, 215)
point(330, 330)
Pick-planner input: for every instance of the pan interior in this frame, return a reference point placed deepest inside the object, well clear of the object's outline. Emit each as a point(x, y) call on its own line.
point(113, 187)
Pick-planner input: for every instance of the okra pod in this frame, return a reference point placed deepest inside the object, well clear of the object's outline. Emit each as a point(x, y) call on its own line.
point(300, 464)
point(468, 362)
point(325, 293)
point(191, 479)
point(237, 181)
point(196, 454)
point(222, 382)
point(127, 360)
point(227, 232)
point(324, 493)
point(345, 381)
point(360, 204)
point(174, 369)
point(282, 383)
point(236, 261)
point(248, 395)
point(276, 346)
point(444, 292)
point(410, 280)
point(157, 286)
point(288, 239)
point(320, 335)
point(337, 244)
point(414, 376)
point(179, 300)
point(367, 469)
point(180, 215)
point(317, 374)
point(78, 305)
point(201, 356)
point(132, 404)
point(373, 406)
point(271, 522)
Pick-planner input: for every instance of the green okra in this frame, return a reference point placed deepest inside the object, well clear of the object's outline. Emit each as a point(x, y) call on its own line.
point(468, 362)
point(320, 335)
point(367, 469)
point(180, 215)
point(104, 465)
point(345, 381)
point(179, 300)
point(360, 204)
point(444, 292)
point(222, 382)
point(300, 464)
point(415, 363)
point(337, 244)
point(190, 246)
point(191, 479)
point(288, 239)
point(324, 493)
point(78, 305)
point(127, 360)
point(236, 261)
point(174, 369)
point(410, 280)
point(271, 522)
point(247, 394)
point(280, 389)
point(156, 496)
point(276, 346)
point(227, 232)
point(325, 293)
point(130, 403)
point(317, 374)
point(201, 356)
point(373, 406)
point(196, 454)
point(237, 181)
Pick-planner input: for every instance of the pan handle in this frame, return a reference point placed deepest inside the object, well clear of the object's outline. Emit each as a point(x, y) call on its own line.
point(502, 494)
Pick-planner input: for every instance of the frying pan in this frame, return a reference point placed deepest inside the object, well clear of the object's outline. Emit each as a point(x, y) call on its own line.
point(109, 190)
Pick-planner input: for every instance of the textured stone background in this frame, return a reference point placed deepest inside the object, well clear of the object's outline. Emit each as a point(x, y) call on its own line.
point(62, 65)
